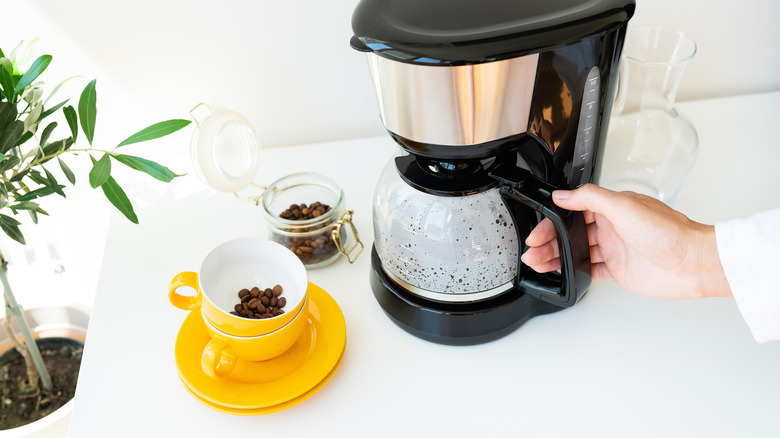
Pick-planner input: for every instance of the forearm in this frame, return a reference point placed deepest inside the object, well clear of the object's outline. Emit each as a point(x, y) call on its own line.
point(707, 267)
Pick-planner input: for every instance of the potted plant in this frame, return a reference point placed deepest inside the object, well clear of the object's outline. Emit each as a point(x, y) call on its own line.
point(32, 164)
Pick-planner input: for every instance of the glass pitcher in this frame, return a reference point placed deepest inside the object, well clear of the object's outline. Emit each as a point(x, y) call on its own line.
point(651, 146)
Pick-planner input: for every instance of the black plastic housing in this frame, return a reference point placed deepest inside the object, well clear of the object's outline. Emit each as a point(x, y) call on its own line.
point(454, 32)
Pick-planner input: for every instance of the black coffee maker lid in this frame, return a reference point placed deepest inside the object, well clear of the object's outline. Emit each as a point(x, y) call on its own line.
point(452, 32)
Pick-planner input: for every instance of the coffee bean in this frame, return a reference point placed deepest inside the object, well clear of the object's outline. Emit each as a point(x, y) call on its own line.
point(310, 249)
point(260, 304)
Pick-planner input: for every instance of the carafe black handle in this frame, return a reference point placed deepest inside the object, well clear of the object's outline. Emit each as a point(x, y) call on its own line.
point(519, 185)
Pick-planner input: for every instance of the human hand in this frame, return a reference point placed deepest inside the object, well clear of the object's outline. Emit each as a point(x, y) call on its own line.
point(638, 242)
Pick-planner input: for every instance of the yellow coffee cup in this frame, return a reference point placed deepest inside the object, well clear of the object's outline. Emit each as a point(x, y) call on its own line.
point(223, 351)
point(242, 264)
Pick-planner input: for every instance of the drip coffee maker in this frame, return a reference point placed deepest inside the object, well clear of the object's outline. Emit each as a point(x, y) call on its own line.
point(494, 105)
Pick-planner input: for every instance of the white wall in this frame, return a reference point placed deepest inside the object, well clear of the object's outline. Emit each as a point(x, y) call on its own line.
point(288, 67)
point(738, 43)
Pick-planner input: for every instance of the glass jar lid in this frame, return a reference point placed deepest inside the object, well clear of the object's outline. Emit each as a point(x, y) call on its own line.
point(225, 149)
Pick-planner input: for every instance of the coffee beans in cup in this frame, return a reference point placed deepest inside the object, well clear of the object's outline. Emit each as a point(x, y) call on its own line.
point(260, 304)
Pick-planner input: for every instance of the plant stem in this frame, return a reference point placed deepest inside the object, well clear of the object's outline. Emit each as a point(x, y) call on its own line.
point(13, 308)
point(33, 378)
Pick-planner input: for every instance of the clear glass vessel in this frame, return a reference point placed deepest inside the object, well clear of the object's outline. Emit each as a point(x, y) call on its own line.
point(651, 146)
point(319, 240)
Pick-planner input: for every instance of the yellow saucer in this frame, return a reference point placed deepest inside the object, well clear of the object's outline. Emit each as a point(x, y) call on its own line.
point(269, 409)
point(253, 386)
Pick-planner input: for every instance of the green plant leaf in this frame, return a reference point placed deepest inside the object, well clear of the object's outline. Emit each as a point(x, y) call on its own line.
point(148, 167)
point(8, 113)
point(117, 196)
point(53, 183)
point(88, 110)
point(32, 95)
point(9, 163)
point(7, 82)
point(19, 176)
point(101, 171)
point(73, 120)
point(37, 67)
point(32, 119)
point(47, 132)
point(8, 220)
point(38, 178)
point(33, 215)
point(6, 63)
point(66, 170)
point(11, 134)
point(38, 193)
point(53, 109)
point(155, 131)
point(26, 205)
point(46, 153)
point(13, 232)
point(23, 139)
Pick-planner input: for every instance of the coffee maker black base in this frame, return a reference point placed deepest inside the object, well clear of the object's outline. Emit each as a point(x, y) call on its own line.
point(454, 323)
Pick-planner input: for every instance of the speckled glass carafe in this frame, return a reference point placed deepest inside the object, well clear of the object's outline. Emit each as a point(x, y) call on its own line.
point(446, 248)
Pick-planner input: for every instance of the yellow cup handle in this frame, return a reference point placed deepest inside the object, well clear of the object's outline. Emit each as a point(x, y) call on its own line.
point(217, 359)
point(184, 302)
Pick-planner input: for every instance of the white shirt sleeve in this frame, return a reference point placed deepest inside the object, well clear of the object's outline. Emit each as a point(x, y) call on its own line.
point(749, 251)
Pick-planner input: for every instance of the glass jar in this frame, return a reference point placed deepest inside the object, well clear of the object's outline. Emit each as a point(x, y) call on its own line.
point(225, 154)
point(315, 231)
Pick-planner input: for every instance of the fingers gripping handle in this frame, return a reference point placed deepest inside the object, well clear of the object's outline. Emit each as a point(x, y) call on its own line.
point(517, 185)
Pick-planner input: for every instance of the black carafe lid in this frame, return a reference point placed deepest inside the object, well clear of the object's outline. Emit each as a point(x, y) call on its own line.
point(452, 32)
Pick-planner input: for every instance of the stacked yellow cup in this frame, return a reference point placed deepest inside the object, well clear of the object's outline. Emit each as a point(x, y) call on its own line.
point(228, 268)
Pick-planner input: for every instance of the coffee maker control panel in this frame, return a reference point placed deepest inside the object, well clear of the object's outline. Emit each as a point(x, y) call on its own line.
point(588, 128)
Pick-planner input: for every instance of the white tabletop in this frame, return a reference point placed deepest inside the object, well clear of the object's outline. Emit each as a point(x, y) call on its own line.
point(616, 364)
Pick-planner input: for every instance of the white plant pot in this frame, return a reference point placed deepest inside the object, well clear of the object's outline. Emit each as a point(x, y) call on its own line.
point(48, 322)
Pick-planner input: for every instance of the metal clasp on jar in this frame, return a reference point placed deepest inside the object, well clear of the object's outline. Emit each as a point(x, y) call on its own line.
point(335, 235)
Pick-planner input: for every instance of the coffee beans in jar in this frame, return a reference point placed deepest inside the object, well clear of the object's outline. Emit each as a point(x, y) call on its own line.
point(311, 246)
point(302, 210)
point(260, 304)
